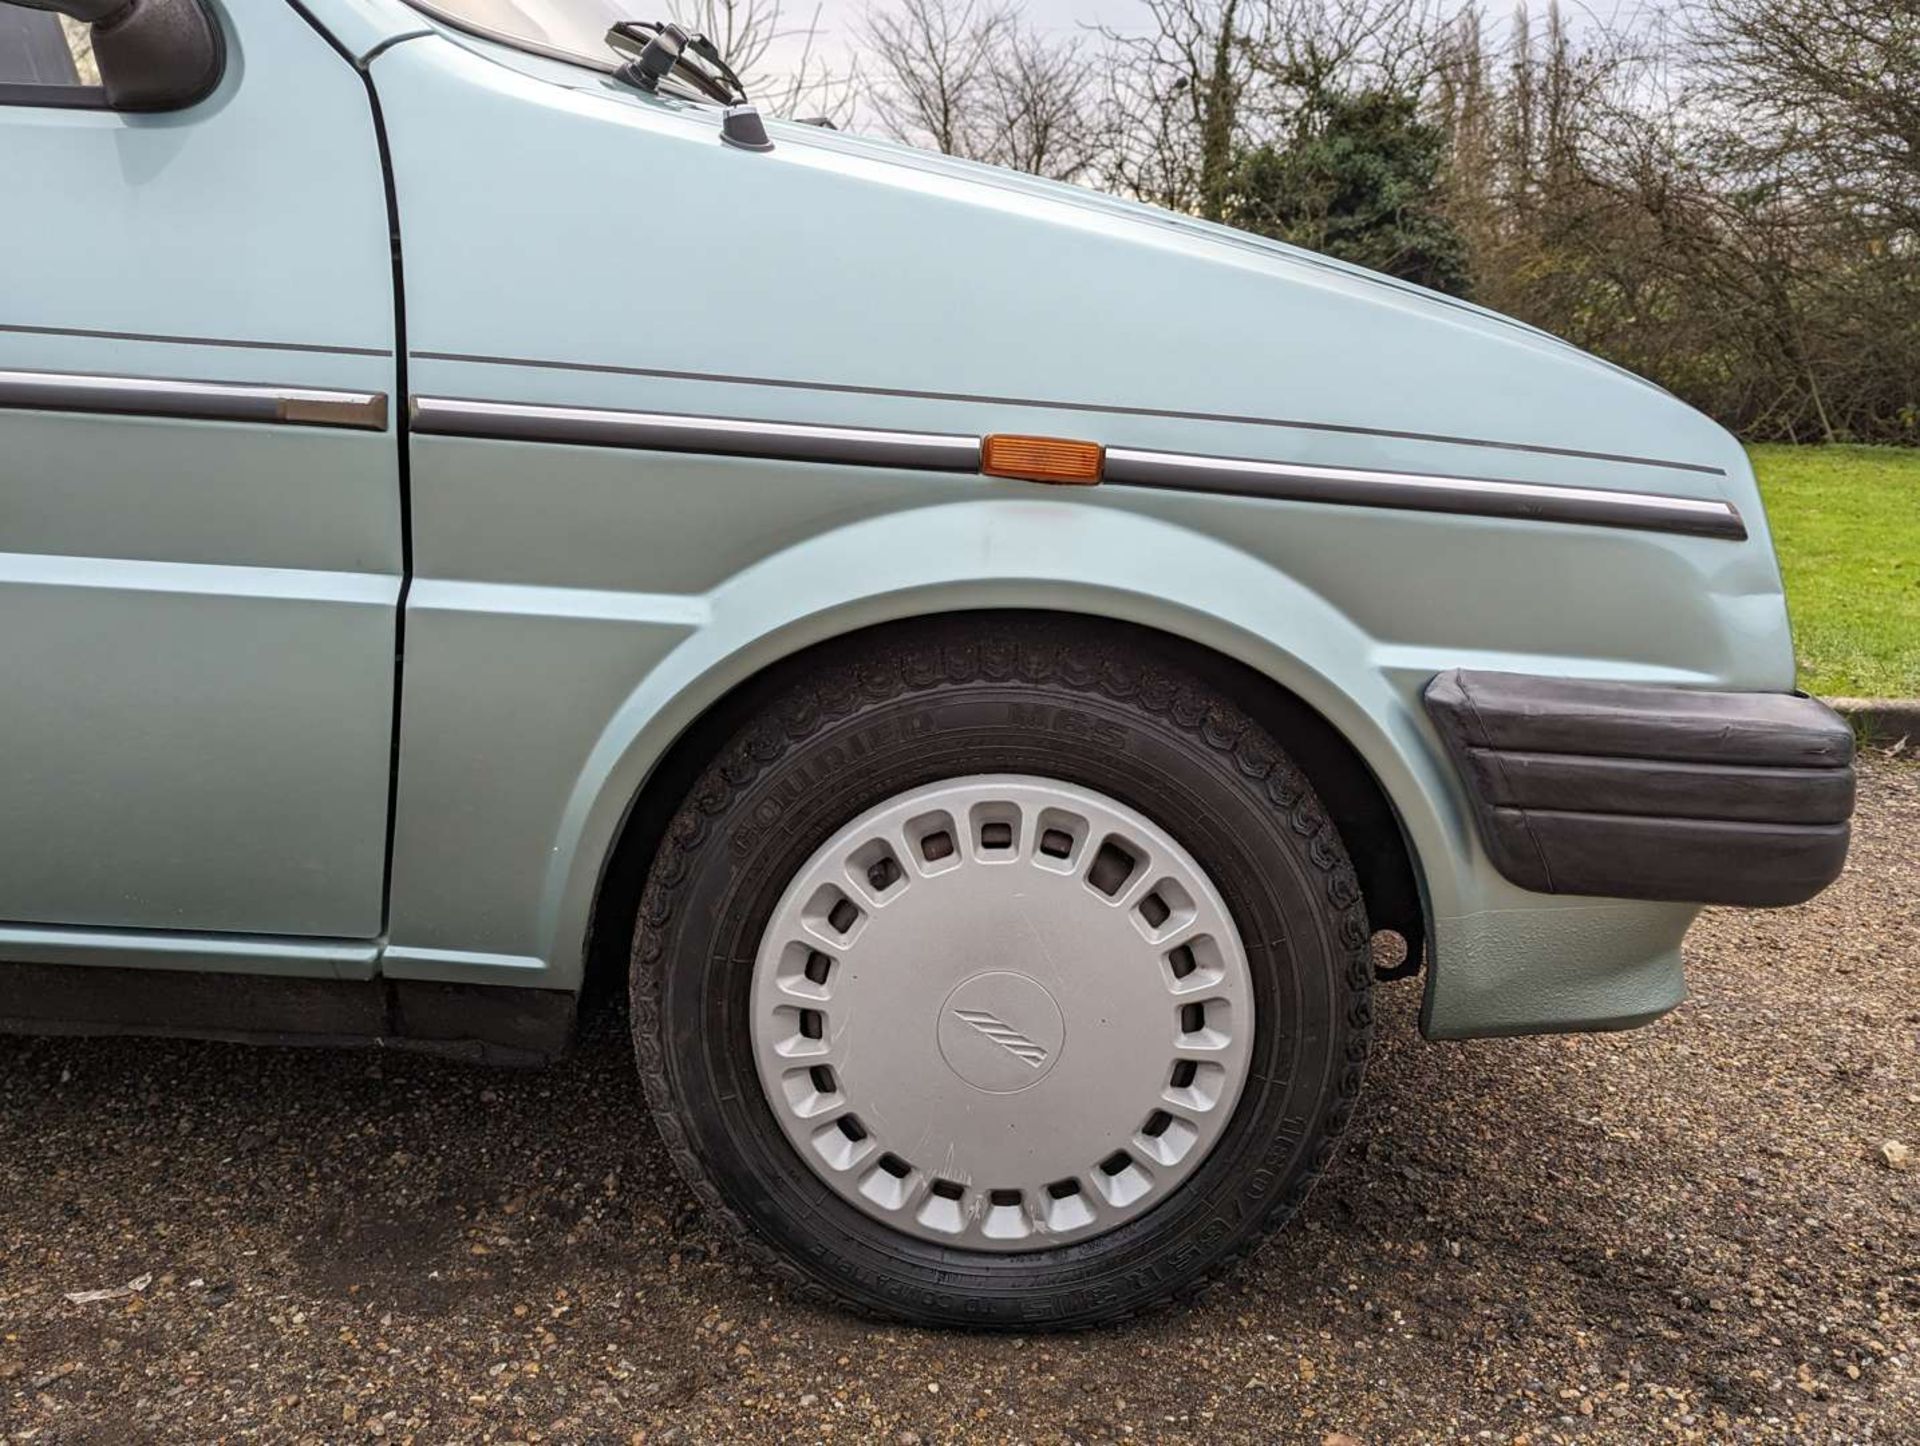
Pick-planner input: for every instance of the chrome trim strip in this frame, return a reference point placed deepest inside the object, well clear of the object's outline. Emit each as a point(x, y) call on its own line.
point(850, 389)
point(196, 401)
point(726, 436)
point(1419, 492)
point(1124, 466)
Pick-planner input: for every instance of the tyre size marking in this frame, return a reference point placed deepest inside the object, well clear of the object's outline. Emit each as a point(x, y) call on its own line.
point(819, 771)
point(1068, 722)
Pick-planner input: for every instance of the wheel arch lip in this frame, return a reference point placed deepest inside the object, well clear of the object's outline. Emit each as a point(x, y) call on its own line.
point(988, 556)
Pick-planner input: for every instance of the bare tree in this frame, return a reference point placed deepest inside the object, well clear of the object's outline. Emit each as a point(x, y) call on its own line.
point(1828, 93)
point(976, 82)
point(1310, 45)
point(930, 72)
point(1178, 90)
point(1043, 105)
point(752, 33)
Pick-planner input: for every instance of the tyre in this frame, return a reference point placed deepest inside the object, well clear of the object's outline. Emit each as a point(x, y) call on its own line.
point(1004, 973)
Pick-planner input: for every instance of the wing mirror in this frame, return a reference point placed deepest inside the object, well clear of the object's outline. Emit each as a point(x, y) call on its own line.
point(152, 54)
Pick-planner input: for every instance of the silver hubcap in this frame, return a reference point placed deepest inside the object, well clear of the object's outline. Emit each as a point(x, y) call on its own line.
point(1002, 1012)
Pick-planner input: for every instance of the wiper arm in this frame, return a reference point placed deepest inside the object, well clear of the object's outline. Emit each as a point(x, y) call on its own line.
point(658, 49)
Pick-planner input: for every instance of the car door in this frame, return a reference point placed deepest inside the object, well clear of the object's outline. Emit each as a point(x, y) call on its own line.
point(200, 508)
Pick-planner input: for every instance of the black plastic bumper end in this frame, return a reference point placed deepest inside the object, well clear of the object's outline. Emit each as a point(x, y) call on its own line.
point(1636, 792)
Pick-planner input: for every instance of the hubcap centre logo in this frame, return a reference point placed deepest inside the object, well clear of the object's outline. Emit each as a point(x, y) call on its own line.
point(1001, 1032)
point(1005, 1035)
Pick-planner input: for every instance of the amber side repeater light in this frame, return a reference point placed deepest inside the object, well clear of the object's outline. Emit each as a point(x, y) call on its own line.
point(1042, 459)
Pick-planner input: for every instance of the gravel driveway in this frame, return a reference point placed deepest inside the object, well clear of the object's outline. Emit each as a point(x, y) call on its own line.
point(1685, 1233)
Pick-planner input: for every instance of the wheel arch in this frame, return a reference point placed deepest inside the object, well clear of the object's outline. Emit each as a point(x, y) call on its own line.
point(1304, 664)
point(1384, 853)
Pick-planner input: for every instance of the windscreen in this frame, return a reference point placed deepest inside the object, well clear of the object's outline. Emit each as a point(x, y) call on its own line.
point(571, 29)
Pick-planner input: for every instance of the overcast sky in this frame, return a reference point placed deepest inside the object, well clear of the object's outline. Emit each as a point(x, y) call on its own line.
point(839, 20)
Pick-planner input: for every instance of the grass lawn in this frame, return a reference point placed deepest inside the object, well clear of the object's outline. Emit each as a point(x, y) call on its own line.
point(1846, 522)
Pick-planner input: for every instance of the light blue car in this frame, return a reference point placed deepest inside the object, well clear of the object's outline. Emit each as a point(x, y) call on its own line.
point(487, 519)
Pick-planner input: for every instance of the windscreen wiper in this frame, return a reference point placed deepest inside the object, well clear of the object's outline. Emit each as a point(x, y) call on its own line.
point(657, 49)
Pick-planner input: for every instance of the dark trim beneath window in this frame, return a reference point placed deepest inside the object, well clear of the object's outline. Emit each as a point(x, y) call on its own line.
point(55, 97)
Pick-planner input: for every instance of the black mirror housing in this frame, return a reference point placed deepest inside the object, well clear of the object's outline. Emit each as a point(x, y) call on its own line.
point(158, 54)
point(152, 54)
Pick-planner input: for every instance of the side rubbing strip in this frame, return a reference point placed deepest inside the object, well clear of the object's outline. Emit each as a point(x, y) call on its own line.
point(1419, 492)
point(194, 401)
point(1020, 457)
point(725, 436)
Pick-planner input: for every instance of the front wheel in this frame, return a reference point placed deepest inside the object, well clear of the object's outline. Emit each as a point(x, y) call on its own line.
point(1003, 974)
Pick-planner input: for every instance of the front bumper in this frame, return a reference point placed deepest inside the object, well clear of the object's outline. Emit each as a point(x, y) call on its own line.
point(1633, 792)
